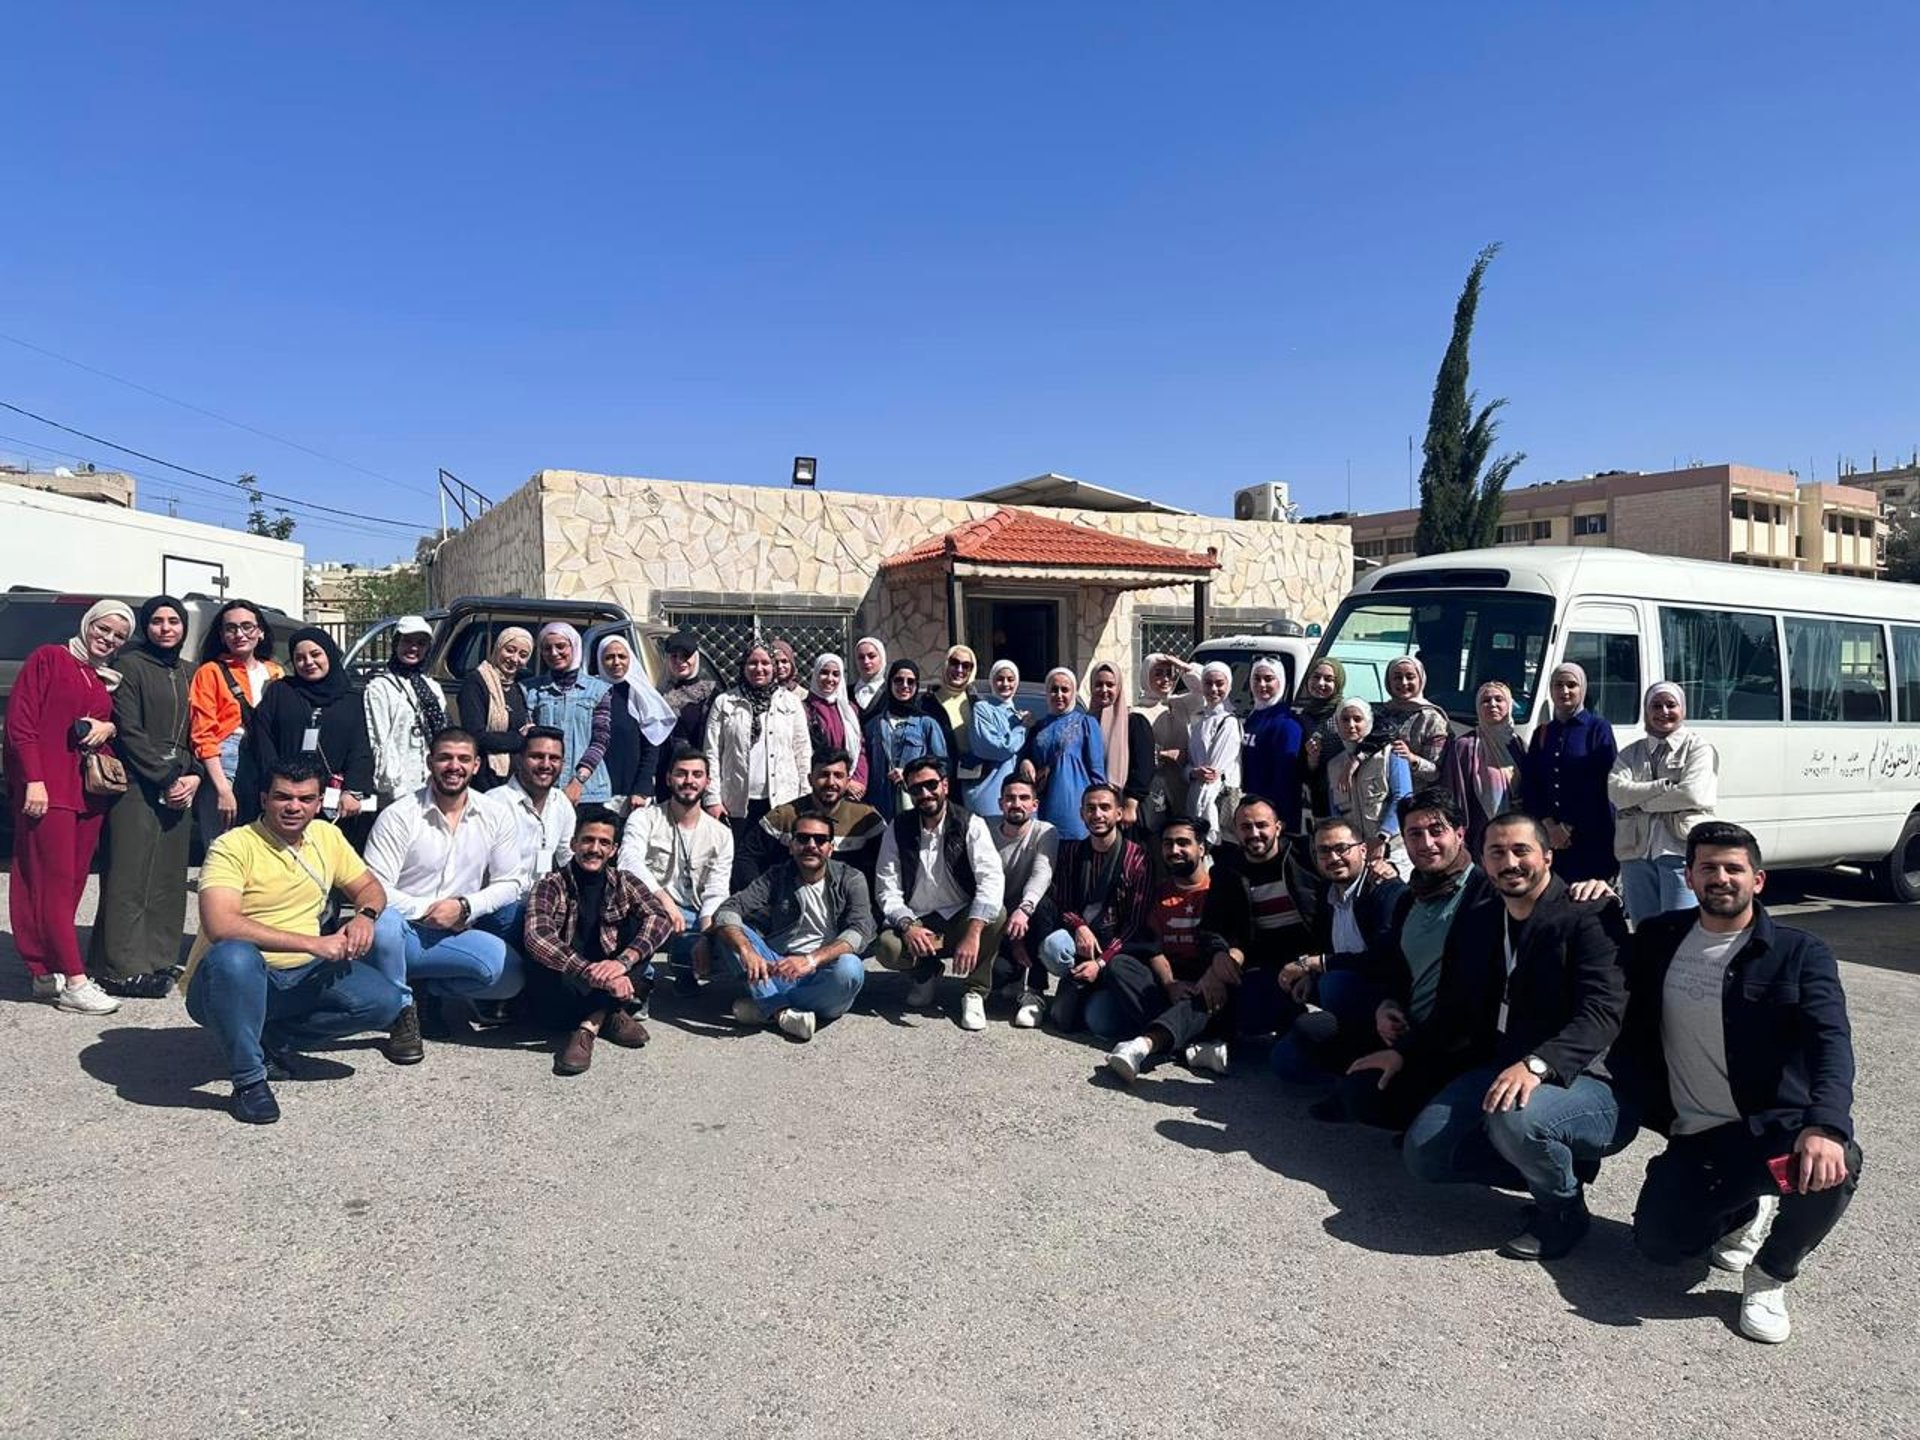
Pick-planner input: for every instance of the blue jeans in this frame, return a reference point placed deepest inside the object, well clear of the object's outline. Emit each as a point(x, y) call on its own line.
point(467, 964)
point(1351, 1000)
point(829, 992)
point(1653, 887)
point(239, 997)
point(1058, 953)
point(680, 949)
point(509, 923)
point(1454, 1141)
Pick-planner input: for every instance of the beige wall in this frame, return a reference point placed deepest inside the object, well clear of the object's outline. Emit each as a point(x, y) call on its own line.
point(1691, 522)
point(651, 543)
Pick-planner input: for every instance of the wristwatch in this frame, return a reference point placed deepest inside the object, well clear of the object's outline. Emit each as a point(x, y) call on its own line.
point(369, 912)
point(1538, 1068)
point(466, 910)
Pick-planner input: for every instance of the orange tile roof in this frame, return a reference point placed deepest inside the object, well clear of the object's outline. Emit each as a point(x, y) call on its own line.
point(1018, 537)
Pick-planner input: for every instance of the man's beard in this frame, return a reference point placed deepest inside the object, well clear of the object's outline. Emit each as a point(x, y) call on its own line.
point(1182, 865)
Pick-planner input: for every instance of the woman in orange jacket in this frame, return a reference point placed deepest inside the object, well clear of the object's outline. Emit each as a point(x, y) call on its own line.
point(239, 664)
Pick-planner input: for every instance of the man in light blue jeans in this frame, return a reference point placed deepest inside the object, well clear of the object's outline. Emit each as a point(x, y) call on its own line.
point(795, 935)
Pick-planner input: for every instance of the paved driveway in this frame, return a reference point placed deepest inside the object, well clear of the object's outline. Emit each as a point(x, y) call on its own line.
point(900, 1230)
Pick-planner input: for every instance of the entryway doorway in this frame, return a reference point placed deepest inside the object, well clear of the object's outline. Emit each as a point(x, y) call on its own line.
point(1027, 632)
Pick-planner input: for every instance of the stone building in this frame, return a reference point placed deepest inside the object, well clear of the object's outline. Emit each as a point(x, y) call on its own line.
point(1040, 585)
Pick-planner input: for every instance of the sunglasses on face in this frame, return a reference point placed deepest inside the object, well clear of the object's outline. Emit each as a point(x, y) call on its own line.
point(922, 787)
point(812, 840)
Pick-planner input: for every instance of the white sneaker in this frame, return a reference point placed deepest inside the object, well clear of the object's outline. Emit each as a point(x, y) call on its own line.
point(797, 1023)
point(86, 998)
point(973, 1011)
point(1735, 1250)
point(1208, 1055)
point(1763, 1309)
point(1027, 1017)
point(1128, 1057)
point(46, 988)
point(923, 991)
point(746, 1011)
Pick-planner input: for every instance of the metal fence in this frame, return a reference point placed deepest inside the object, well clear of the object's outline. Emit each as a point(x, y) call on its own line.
point(726, 635)
point(1166, 637)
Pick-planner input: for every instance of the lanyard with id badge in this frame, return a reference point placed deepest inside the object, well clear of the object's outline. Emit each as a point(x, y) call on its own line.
point(310, 745)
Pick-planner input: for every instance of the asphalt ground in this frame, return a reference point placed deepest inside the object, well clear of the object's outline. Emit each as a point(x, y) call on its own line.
point(898, 1230)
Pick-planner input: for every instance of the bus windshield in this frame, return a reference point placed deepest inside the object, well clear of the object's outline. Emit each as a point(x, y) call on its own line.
point(1464, 638)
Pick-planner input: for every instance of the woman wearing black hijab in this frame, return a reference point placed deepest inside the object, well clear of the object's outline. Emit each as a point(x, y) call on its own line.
point(143, 893)
point(314, 708)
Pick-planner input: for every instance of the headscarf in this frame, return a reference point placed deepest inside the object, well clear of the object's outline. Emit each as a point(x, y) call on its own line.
point(837, 699)
point(143, 617)
point(500, 763)
point(1343, 770)
point(1493, 762)
point(779, 648)
point(1114, 721)
point(1280, 677)
point(994, 670)
point(1315, 711)
point(1660, 687)
point(333, 685)
point(1214, 740)
point(902, 709)
point(77, 647)
point(1360, 746)
point(1225, 703)
point(426, 695)
point(652, 714)
point(864, 692)
point(1578, 673)
point(1392, 705)
point(759, 698)
point(560, 627)
point(960, 652)
point(1073, 683)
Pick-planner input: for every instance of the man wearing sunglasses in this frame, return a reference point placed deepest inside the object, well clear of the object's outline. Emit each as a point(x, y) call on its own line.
point(941, 887)
point(795, 934)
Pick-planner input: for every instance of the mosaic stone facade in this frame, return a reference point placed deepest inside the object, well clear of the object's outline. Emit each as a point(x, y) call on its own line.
point(656, 544)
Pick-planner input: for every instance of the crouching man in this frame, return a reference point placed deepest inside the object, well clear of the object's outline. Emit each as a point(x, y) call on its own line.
point(1738, 1045)
point(796, 935)
point(592, 932)
point(261, 976)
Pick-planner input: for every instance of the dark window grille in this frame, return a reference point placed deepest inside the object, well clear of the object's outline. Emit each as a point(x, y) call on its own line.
point(726, 635)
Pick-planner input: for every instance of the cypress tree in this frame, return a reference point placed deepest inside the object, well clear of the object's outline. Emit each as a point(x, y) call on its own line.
point(1459, 505)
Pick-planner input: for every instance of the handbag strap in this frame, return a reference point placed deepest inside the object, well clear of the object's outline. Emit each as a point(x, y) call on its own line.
point(233, 688)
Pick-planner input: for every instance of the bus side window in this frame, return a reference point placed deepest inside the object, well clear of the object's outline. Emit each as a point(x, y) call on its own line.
point(1612, 663)
point(1906, 656)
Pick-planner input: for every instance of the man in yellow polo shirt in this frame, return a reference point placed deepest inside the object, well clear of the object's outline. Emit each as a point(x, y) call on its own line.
point(261, 976)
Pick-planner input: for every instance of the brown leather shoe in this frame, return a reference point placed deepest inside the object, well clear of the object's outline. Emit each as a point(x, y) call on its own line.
point(625, 1029)
point(575, 1054)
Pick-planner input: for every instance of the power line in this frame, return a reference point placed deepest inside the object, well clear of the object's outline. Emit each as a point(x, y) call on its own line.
point(213, 414)
point(409, 525)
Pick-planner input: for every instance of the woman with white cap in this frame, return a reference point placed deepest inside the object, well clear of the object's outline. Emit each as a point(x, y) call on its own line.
point(405, 710)
point(1661, 787)
point(60, 709)
point(1564, 776)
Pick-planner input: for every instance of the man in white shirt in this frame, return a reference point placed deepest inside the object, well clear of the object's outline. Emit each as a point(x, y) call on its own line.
point(543, 822)
point(941, 886)
point(685, 855)
point(447, 858)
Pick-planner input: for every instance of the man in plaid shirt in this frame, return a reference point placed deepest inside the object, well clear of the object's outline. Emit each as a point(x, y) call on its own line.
point(592, 931)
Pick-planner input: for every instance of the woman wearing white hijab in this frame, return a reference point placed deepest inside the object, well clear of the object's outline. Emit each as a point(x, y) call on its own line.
point(635, 722)
point(1170, 717)
point(833, 721)
point(1366, 780)
point(1661, 787)
point(1213, 744)
point(996, 733)
point(61, 707)
point(867, 685)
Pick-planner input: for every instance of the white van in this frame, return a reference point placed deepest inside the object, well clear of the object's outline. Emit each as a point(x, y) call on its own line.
point(1807, 685)
point(1238, 652)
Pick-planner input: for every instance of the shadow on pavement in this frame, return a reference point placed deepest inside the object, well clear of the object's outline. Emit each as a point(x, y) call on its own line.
point(1378, 1206)
point(169, 1067)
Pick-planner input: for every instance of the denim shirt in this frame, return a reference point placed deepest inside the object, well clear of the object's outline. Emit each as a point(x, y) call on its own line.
point(570, 711)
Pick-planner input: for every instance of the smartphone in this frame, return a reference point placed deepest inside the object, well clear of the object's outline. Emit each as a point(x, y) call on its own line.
point(82, 728)
point(1782, 1168)
point(330, 798)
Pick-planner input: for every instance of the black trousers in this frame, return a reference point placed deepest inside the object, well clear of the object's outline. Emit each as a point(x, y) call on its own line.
point(1186, 1011)
point(560, 1002)
point(750, 846)
point(1703, 1186)
point(1029, 977)
point(1394, 1107)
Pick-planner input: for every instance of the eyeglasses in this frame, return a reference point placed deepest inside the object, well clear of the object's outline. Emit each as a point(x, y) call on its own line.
point(232, 629)
point(922, 787)
point(1332, 850)
point(811, 839)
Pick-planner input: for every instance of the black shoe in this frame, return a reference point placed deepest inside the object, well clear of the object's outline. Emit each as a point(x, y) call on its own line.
point(1068, 1008)
point(254, 1104)
point(281, 1065)
point(1329, 1110)
point(404, 1045)
point(1551, 1231)
point(156, 986)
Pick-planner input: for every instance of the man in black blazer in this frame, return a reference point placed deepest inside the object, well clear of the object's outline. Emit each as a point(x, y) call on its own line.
point(1529, 1002)
point(1737, 1047)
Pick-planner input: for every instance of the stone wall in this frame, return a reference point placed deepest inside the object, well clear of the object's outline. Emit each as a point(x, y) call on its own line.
point(650, 544)
point(501, 553)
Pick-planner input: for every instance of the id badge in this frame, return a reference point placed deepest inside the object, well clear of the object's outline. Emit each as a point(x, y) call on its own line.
point(310, 739)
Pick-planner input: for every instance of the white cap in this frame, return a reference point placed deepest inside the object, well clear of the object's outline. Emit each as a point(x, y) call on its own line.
point(412, 625)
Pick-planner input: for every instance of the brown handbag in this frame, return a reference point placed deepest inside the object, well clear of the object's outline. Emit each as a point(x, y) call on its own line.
point(102, 774)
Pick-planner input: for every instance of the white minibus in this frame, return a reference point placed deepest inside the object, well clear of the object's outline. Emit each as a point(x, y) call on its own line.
point(1807, 685)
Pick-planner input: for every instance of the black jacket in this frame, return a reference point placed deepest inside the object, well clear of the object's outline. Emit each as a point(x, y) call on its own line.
point(1565, 998)
point(280, 722)
point(1387, 967)
point(1377, 910)
point(1789, 1045)
point(771, 905)
point(1230, 919)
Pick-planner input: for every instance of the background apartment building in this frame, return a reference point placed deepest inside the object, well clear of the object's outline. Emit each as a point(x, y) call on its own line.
point(1705, 512)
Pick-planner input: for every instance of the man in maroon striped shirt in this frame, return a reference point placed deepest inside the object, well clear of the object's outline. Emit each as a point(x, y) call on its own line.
point(1102, 886)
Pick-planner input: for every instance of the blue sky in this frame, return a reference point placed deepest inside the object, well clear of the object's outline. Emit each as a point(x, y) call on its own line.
point(1174, 249)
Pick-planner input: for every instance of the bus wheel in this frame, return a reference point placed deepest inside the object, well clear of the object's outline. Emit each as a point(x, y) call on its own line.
point(1900, 871)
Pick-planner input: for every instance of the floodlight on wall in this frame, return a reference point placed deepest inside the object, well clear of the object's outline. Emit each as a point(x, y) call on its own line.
point(803, 468)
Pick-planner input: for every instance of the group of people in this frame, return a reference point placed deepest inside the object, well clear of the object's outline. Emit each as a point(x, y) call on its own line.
point(1420, 926)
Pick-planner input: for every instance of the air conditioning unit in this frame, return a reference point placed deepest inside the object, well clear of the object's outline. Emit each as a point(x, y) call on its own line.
point(1271, 501)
